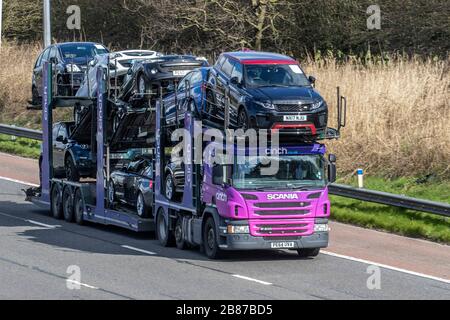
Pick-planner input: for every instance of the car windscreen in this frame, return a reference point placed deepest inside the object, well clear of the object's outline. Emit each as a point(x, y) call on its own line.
point(284, 75)
point(77, 51)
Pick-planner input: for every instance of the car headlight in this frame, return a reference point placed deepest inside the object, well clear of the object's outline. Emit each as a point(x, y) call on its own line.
point(154, 71)
point(317, 105)
point(238, 229)
point(73, 68)
point(267, 105)
point(321, 228)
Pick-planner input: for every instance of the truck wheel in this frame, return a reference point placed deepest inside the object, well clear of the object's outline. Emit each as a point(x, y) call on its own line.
point(179, 237)
point(211, 247)
point(141, 208)
point(71, 170)
point(68, 204)
point(163, 233)
point(309, 252)
point(78, 207)
point(57, 208)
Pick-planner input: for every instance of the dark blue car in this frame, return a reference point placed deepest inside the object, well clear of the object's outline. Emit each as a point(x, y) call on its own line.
point(71, 159)
point(190, 95)
point(266, 91)
point(70, 63)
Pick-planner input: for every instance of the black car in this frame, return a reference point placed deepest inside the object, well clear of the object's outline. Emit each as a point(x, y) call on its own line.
point(71, 160)
point(145, 78)
point(133, 185)
point(266, 91)
point(70, 60)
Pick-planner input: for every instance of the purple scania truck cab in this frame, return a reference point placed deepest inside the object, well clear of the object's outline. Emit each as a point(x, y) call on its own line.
point(285, 210)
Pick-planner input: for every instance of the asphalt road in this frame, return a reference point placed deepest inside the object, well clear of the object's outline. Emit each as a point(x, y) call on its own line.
point(37, 252)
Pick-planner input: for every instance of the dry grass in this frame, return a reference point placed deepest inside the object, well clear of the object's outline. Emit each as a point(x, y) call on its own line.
point(398, 117)
point(16, 66)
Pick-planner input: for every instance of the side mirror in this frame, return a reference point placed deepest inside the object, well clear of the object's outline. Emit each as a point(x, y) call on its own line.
point(53, 60)
point(60, 139)
point(332, 158)
point(235, 81)
point(312, 79)
point(332, 168)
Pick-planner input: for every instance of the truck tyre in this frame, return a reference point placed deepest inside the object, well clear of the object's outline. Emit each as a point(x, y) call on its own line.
point(71, 170)
point(308, 252)
point(210, 244)
point(78, 207)
point(57, 208)
point(142, 209)
point(163, 233)
point(68, 204)
point(179, 236)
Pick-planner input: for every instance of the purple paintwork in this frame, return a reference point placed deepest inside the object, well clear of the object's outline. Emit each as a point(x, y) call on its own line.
point(100, 189)
point(46, 133)
point(285, 213)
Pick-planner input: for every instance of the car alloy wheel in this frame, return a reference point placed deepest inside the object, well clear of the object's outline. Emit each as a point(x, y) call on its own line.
point(111, 193)
point(169, 187)
point(243, 120)
point(140, 205)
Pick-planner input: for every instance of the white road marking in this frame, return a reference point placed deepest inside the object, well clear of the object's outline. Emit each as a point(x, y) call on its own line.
point(19, 182)
point(253, 280)
point(82, 284)
point(418, 274)
point(138, 250)
point(42, 224)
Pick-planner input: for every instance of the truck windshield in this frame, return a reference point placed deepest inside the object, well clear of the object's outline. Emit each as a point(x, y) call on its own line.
point(295, 172)
point(284, 75)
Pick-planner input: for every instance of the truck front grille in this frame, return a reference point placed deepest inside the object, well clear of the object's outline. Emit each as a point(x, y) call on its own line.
point(278, 228)
point(281, 204)
point(281, 212)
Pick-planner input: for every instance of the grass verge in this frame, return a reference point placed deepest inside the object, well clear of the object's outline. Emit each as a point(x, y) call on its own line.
point(397, 220)
point(20, 146)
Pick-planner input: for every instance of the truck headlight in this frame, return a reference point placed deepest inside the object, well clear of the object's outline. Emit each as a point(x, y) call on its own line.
point(73, 68)
point(321, 228)
point(238, 229)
